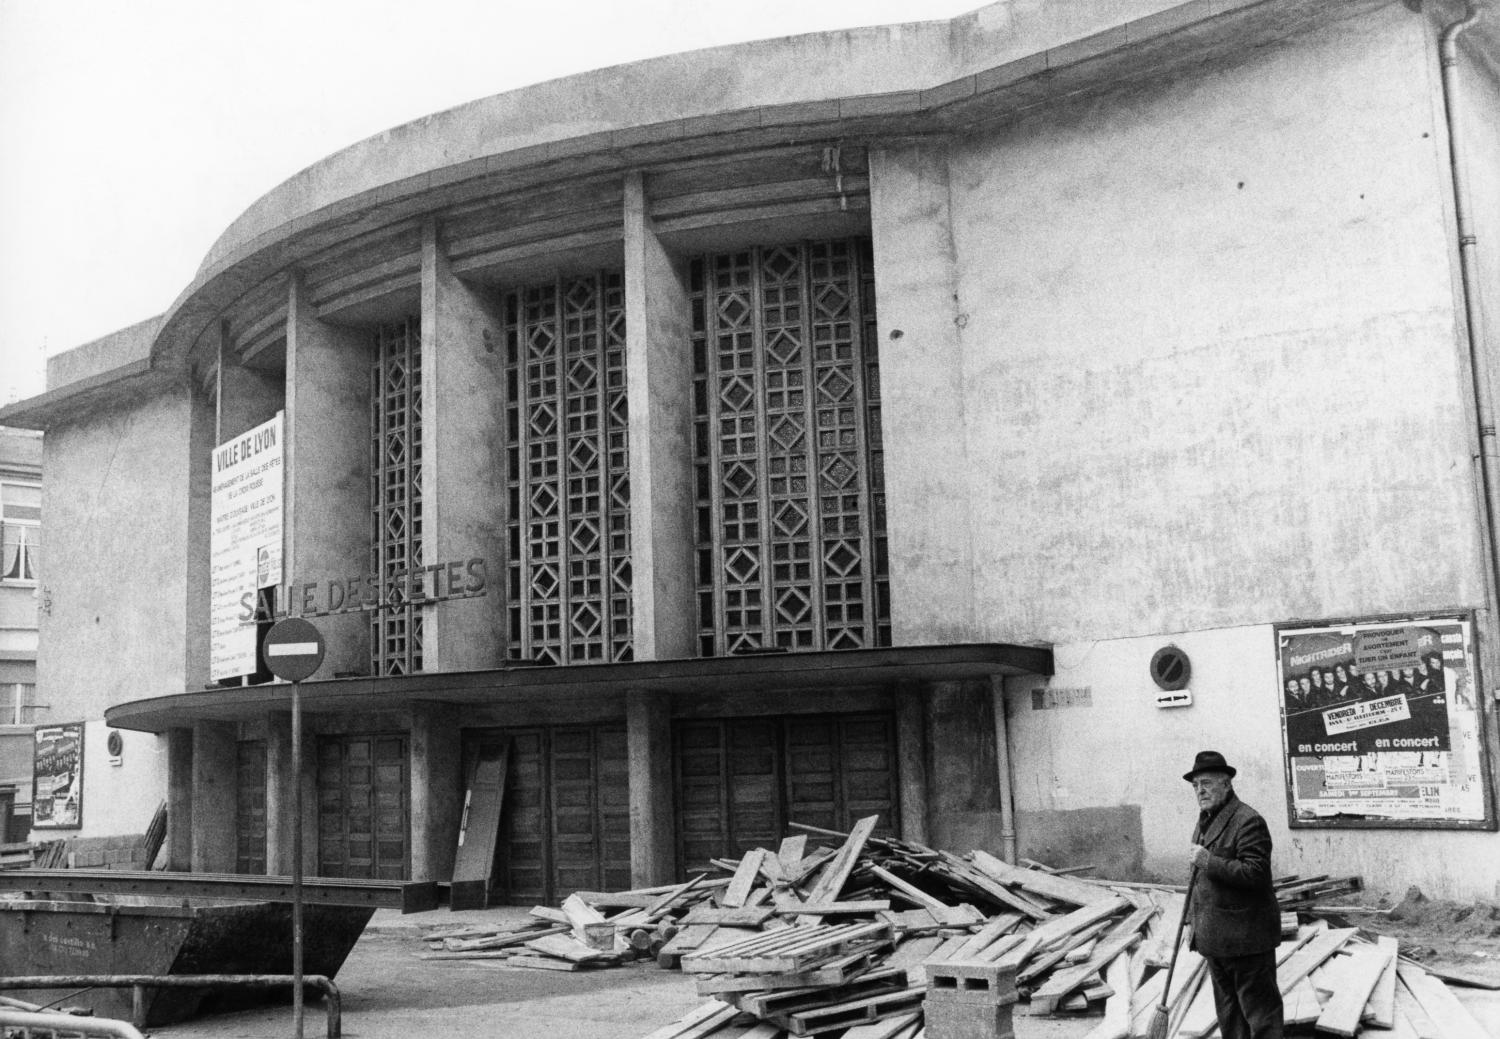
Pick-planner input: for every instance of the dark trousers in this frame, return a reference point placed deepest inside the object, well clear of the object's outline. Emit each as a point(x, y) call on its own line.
point(1246, 996)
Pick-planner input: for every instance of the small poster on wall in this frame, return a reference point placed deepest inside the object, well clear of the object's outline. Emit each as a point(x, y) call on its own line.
point(57, 777)
point(1382, 723)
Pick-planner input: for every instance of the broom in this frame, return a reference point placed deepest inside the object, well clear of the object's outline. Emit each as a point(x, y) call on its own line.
point(1158, 1029)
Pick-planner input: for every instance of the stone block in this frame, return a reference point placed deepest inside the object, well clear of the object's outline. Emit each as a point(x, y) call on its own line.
point(971, 981)
point(966, 1020)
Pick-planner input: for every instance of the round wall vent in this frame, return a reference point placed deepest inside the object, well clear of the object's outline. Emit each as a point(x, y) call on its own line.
point(114, 744)
point(1171, 668)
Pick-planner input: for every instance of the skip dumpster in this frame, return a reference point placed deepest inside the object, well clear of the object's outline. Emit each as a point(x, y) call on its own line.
point(153, 935)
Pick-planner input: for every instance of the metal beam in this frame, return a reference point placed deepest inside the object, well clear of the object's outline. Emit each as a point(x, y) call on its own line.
point(407, 896)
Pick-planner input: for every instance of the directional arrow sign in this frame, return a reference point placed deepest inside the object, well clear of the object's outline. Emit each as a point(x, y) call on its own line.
point(293, 649)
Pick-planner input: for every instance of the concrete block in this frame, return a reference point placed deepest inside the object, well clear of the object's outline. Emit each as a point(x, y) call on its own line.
point(971, 981)
point(966, 1020)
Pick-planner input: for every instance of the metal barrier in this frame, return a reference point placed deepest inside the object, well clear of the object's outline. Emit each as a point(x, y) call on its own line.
point(65, 1024)
point(138, 983)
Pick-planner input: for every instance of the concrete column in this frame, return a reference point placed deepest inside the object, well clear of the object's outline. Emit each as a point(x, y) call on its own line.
point(436, 790)
point(648, 724)
point(659, 372)
point(279, 794)
point(179, 799)
point(963, 785)
point(463, 463)
point(197, 636)
point(328, 472)
point(911, 741)
point(214, 808)
point(921, 361)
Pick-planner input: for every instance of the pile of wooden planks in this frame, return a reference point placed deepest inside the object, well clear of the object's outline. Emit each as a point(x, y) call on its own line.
point(859, 936)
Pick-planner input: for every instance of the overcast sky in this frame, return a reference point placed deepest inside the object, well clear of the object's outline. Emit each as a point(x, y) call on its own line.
point(133, 132)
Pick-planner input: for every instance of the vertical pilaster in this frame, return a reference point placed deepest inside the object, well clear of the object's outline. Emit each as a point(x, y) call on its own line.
point(921, 361)
point(659, 370)
point(911, 742)
point(436, 790)
point(328, 472)
point(213, 807)
point(463, 463)
point(179, 799)
point(648, 722)
point(279, 794)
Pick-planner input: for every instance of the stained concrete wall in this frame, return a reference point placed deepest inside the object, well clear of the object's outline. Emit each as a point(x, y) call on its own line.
point(1152, 290)
point(1160, 286)
point(115, 503)
point(1098, 769)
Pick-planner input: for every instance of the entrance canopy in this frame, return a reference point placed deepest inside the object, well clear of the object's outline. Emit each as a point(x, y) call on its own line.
point(772, 672)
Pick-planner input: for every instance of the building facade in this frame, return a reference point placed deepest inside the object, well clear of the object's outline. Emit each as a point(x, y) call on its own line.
point(961, 421)
point(20, 577)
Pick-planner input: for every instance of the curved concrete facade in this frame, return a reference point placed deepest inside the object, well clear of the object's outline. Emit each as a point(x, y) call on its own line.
point(1167, 346)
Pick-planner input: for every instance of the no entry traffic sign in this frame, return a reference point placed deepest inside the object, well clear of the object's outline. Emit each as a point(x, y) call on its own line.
point(293, 649)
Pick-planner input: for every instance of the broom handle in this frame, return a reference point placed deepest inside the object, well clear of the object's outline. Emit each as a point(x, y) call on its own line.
point(1177, 945)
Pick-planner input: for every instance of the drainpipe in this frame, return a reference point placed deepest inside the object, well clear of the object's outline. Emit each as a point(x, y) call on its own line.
point(1487, 459)
point(1002, 766)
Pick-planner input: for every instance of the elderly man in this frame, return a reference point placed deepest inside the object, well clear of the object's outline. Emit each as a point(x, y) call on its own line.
point(1236, 922)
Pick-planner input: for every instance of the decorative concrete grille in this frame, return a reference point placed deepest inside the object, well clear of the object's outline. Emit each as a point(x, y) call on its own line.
point(567, 453)
point(791, 536)
point(396, 493)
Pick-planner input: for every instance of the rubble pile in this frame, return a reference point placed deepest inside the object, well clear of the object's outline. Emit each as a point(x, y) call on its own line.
point(868, 937)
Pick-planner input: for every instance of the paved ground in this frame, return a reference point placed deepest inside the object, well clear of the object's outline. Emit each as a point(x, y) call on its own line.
point(390, 994)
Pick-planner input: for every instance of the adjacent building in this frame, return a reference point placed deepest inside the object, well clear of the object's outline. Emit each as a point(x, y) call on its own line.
point(20, 576)
point(963, 422)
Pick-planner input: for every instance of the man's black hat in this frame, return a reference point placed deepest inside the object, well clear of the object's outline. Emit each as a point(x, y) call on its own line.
point(1209, 761)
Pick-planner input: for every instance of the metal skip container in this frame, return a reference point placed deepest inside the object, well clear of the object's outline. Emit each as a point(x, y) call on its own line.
point(160, 935)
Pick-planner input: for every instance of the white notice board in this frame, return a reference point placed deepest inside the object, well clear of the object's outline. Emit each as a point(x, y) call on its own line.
point(245, 542)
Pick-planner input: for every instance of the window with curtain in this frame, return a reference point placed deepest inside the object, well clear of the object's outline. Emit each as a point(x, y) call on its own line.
point(20, 531)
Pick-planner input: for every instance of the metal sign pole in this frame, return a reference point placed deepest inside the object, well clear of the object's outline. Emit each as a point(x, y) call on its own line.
point(297, 1008)
point(293, 650)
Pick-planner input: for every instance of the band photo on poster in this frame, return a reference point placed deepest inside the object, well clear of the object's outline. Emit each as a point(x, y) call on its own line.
point(1382, 723)
point(57, 777)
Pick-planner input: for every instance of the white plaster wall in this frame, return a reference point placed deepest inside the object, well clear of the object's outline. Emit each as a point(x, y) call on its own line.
point(114, 605)
point(118, 799)
point(1209, 348)
point(1119, 748)
point(113, 600)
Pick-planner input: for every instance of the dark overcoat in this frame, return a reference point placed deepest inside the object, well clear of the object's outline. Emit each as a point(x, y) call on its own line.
point(1233, 909)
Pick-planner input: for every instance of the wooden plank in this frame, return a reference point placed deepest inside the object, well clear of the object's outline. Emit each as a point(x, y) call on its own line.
point(780, 1005)
point(869, 905)
point(696, 1023)
point(790, 949)
point(1342, 1013)
point(831, 881)
point(1058, 927)
point(1301, 1005)
point(1144, 1001)
point(750, 917)
point(1410, 1008)
point(1116, 1021)
point(1048, 885)
point(479, 827)
point(499, 941)
point(744, 878)
point(890, 1028)
point(1442, 1007)
point(565, 948)
point(789, 854)
point(1120, 938)
point(1046, 958)
point(911, 891)
point(1312, 955)
point(841, 1015)
point(1200, 1017)
point(1380, 1011)
point(838, 969)
point(1164, 927)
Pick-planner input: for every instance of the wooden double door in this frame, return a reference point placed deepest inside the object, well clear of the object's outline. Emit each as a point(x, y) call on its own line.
point(364, 806)
point(565, 819)
point(741, 781)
